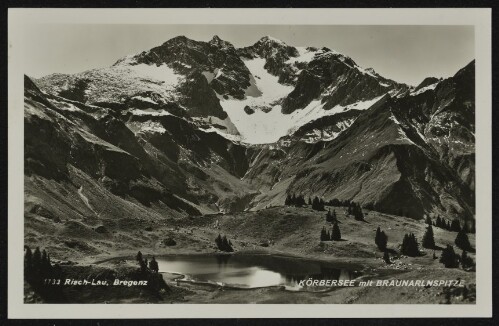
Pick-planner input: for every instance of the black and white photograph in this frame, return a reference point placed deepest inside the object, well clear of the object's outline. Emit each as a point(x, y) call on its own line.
point(239, 163)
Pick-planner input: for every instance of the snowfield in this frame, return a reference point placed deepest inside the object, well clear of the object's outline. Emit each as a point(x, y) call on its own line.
point(267, 127)
point(263, 127)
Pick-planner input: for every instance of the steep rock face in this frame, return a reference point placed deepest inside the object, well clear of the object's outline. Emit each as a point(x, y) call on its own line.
point(443, 113)
point(276, 54)
point(154, 159)
point(159, 128)
point(325, 128)
point(216, 57)
point(181, 76)
point(213, 80)
point(338, 80)
point(389, 158)
point(200, 98)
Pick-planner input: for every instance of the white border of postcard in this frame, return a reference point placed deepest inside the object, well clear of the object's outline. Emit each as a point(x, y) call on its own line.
point(479, 18)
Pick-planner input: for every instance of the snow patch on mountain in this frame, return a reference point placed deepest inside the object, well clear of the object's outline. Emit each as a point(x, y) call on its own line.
point(305, 55)
point(146, 127)
point(162, 73)
point(149, 112)
point(424, 89)
point(267, 127)
point(144, 99)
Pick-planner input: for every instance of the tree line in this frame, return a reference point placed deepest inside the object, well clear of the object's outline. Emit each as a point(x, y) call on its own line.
point(410, 247)
point(37, 269)
point(453, 225)
point(319, 204)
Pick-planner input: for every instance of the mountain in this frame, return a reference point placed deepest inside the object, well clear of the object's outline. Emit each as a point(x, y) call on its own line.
point(191, 127)
point(409, 155)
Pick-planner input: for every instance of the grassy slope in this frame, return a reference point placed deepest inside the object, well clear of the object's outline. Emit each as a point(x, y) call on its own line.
point(295, 232)
point(291, 231)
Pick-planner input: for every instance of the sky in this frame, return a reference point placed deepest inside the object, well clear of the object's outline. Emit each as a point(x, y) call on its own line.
point(405, 54)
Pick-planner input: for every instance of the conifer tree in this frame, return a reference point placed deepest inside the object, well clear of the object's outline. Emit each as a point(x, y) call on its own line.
point(37, 261)
point(28, 264)
point(455, 225)
point(410, 246)
point(466, 261)
point(336, 234)
point(428, 220)
point(462, 241)
point(449, 257)
point(428, 239)
point(328, 216)
point(138, 257)
point(153, 265)
point(381, 239)
point(466, 228)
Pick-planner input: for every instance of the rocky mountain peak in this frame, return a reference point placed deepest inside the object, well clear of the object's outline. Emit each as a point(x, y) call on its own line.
point(221, 44)
point(427, 82)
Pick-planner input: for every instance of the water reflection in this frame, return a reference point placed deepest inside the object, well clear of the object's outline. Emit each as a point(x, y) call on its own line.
point(251, 271)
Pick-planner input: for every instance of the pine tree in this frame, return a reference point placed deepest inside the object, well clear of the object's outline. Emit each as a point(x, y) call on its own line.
point(466, 228)
point(438, 222)
point(318, 204)
point(381, 239)
point(48, 264)
point(138, 257)
point(300, 201)
point(455, 225)
point(356, 211)
point(449, 257)
point(153, 265)
point(462, 241)
point(37, 261)
point(336, 234)
point(28, 264)
point(466, 261)
point(428, 220)
point(218, 241)
point(428, 239)
point(44, 264)
point(410, 246)
point(328, 216)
